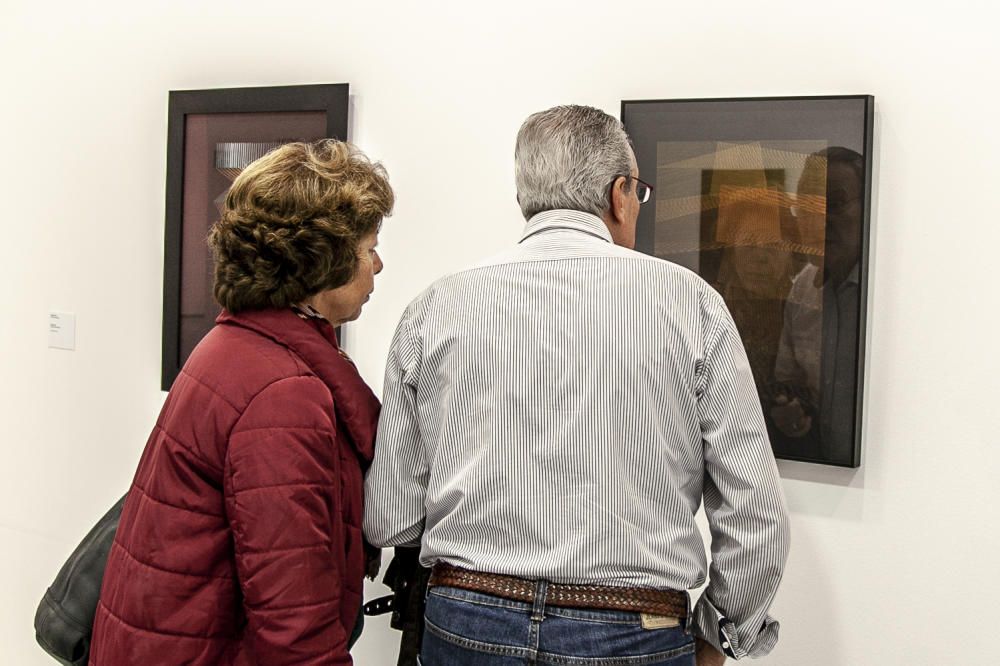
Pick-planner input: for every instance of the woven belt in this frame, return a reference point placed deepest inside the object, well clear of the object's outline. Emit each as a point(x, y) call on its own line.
point(669, 603)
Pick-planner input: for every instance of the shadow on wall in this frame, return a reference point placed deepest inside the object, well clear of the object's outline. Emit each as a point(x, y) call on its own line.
point(823, 491)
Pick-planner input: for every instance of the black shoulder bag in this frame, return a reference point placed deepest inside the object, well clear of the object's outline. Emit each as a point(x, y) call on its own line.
point(64, 620)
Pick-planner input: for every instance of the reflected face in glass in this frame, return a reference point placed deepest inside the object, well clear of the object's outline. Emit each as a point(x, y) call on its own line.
point(344, 303)
point(844, 217)
point(759, 269)
point(754, 259)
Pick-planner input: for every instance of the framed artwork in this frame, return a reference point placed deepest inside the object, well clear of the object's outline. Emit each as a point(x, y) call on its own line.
point(768, 199)
point(212, 135)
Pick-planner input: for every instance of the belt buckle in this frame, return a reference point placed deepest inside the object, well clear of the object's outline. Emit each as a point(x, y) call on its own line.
point(650, 621)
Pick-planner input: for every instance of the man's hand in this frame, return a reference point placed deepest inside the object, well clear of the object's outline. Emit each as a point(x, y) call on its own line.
point(706, 655)
point(790, 417)
point(373, 560)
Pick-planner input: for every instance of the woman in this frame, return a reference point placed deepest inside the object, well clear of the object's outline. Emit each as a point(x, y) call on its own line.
point(240, 541)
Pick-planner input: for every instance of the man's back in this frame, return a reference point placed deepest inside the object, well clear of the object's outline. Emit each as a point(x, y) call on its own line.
point(553, 419)
point(556, 388)
point(567, 398)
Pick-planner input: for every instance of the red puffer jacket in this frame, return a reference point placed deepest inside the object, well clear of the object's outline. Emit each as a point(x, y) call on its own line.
point(240, 542)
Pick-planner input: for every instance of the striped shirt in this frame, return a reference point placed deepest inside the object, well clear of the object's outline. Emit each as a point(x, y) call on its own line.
point(562, 410)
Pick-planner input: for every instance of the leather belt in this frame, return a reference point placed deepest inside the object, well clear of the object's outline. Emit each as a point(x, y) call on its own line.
point(670, 603)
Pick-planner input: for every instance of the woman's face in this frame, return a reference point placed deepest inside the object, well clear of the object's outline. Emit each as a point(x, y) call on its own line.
point(344, 303)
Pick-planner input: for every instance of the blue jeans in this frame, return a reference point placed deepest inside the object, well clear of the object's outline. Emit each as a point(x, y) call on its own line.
point(466, 628)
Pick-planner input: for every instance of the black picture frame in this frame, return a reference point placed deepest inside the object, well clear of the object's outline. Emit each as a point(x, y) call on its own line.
point(266, 114)
point(769, 200)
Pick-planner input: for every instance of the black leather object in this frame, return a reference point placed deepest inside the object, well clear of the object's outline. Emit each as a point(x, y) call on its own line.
point(64, 620)
point(408, 581)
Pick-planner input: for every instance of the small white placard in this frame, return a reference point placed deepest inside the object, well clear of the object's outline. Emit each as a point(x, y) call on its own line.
point(62, 330)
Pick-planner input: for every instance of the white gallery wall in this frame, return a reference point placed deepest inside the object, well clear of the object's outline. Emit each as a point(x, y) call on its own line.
point(894, 563)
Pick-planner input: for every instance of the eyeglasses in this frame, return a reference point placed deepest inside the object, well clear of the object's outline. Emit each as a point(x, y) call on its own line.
point(643, 190)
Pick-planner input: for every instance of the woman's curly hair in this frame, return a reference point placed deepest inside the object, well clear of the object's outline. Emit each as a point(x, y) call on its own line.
point(292, 222)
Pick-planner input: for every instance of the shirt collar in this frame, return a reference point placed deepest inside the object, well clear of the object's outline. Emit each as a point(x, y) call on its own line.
point(562, 218)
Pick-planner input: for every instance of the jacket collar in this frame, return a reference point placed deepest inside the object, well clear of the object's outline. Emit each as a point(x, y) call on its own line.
point(562, 218)
point(315, 342)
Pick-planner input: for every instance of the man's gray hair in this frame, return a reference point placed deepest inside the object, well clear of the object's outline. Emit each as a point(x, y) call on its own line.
point(567, 157)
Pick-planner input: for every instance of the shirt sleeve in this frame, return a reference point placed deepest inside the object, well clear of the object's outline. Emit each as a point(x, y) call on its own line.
point(282, 500)
point(396, 485)
point(743, 499)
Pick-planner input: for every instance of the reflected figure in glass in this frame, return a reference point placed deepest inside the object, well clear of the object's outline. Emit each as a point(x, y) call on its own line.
point(812, 412)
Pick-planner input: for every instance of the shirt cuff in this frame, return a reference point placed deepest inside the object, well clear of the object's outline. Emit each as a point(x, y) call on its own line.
point(715, 628)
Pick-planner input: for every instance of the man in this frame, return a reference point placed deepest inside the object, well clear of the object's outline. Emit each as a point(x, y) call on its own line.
point(817, 355)
point(551, 422)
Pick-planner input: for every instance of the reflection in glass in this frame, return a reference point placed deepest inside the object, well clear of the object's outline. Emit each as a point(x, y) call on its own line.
point(232, 157)
point(775, 227)
point(217, 146)
point(813, 409)
point(767, 200)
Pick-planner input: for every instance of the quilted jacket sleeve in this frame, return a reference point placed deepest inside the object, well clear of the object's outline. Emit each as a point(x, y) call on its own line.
point(282, 490)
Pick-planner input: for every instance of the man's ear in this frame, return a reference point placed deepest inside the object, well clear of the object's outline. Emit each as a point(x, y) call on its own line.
point(617, 212)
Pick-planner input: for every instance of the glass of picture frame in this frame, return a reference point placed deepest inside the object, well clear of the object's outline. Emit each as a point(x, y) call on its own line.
point(211, 136)
point(769, 199)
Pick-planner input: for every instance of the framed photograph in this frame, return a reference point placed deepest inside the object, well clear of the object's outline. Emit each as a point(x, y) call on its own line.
point(212, 135)
point(768, 199)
